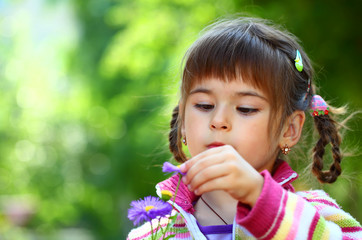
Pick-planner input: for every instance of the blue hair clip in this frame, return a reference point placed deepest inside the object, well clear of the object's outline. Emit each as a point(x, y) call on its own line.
point(298, 62)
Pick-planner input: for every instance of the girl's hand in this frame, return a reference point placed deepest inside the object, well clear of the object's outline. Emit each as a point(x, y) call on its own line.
point(222, 168)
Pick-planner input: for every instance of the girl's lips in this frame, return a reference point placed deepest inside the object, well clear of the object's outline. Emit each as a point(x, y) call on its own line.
point(215, 144)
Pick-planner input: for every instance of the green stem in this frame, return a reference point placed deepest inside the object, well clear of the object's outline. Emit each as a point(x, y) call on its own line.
point(178, 185)
point(159, 226)
point(173, 202)
point(152, 236)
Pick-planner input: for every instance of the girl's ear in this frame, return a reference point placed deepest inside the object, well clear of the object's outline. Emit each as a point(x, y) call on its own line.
point(292, 129)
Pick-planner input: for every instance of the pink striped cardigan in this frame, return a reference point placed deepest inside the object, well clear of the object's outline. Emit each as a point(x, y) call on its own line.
point(280, 213)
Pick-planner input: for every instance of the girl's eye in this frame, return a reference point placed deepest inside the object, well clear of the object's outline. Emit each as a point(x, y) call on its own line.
point(204, 107)
point(247, 111)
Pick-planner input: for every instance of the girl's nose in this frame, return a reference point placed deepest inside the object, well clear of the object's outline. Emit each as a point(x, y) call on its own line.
point(220, 122)
point(220, 126)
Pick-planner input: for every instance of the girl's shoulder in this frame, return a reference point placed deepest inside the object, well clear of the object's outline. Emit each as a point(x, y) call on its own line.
point(318, 197)
point(329, 209)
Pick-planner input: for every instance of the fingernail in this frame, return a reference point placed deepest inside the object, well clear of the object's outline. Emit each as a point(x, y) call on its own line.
point(189, 187)
point(183, 167)
point(183, 179)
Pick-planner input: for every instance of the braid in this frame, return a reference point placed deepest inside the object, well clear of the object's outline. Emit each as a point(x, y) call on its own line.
point(174, 137)
point(328, 132)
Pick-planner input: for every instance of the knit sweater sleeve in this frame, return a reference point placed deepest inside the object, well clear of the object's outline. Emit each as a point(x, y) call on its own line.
point(281, 214)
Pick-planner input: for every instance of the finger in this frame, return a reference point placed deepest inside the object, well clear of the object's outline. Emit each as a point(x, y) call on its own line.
point(208, 174)
point(213, 185)
point(189, 163)
point(201, 164)
point(216, 156)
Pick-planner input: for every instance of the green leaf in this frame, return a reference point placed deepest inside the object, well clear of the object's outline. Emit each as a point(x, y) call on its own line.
point(168, 237)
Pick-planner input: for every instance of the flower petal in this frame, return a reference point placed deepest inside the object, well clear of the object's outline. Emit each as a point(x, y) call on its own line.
point(140, 210)
point(169, 167)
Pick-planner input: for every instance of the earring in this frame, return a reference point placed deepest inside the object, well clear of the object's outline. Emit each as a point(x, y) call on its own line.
point(286, 149)
point(184, 141)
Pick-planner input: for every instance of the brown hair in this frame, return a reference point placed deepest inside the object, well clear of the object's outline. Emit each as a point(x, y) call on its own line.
point(262, 55)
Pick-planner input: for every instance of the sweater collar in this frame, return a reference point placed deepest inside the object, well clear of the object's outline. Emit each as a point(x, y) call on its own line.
point(284, 175)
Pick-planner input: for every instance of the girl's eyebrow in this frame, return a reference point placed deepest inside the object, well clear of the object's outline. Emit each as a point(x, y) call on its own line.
point(200, 90)
point(250, 93)
point(240, 94)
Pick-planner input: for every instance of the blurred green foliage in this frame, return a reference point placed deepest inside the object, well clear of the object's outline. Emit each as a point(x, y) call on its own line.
point(87, 89)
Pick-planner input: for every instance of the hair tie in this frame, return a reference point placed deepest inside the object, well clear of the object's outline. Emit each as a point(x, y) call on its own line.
point(318, 106)
point(308, 90)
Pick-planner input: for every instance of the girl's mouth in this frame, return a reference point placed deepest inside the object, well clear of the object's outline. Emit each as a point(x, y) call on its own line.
point(215, 144)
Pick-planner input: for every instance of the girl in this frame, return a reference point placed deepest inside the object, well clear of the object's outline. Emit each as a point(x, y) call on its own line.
point(246, 87)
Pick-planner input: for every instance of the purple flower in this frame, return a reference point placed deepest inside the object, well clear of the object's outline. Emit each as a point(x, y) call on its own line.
point(148, 208)
point(168, 167)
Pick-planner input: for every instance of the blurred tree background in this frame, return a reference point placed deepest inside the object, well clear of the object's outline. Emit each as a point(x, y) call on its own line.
point(87, 89)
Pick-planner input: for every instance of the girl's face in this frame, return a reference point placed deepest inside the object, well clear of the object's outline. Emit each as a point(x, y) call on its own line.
point(234, 113)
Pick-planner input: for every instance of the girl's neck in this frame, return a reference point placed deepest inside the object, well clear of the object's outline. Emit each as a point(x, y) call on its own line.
point(223, 208)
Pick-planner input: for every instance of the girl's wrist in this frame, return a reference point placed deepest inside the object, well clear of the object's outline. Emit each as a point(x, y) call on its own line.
point(256, 190)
